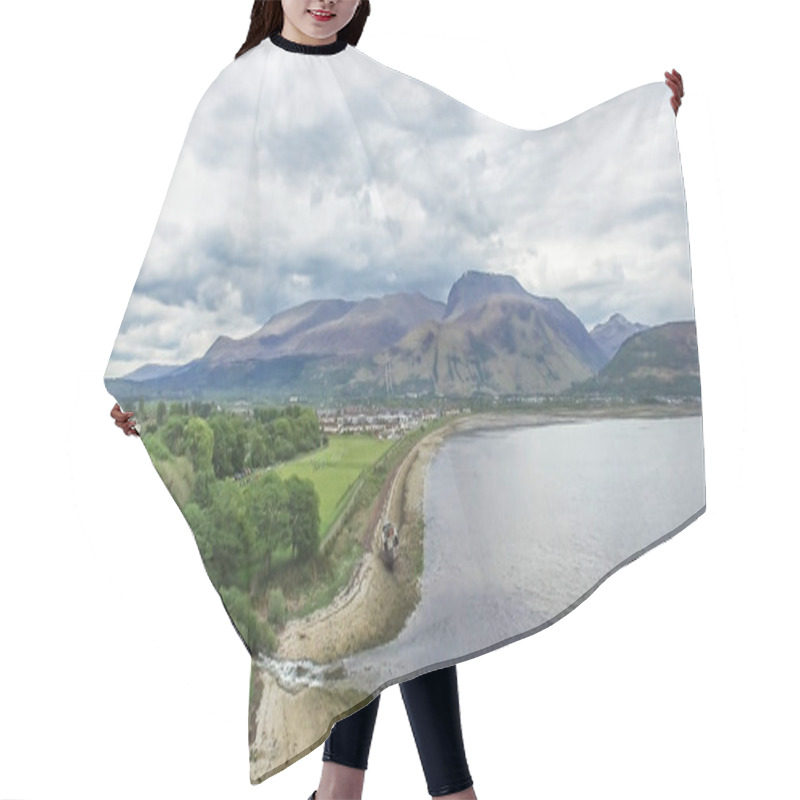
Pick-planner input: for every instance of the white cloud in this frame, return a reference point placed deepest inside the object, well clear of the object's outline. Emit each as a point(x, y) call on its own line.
point(304, 179)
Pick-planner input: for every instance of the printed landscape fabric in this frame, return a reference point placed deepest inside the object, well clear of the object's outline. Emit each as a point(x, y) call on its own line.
point(418, 381)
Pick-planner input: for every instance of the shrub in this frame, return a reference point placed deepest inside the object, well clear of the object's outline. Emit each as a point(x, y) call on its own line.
point(277, 607)
point(259, 635)
point(156, 448)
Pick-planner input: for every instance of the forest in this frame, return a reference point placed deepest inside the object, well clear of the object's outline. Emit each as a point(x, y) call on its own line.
point(217, 465)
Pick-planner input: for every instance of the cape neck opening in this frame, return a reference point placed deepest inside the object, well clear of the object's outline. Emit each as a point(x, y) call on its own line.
point(309, 49)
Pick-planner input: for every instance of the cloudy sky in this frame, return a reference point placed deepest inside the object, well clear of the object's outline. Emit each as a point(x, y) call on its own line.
point(314, 177)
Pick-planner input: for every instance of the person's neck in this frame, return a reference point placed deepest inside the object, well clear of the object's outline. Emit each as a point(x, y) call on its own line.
point(294, 34)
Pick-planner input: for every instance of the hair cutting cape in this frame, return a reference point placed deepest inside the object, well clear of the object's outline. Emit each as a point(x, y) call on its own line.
point(419, 381)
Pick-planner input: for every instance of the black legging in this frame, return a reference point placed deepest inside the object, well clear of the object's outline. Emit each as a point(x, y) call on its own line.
point(432, 706)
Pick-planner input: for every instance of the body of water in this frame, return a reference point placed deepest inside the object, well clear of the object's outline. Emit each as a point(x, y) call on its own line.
point(521, 523)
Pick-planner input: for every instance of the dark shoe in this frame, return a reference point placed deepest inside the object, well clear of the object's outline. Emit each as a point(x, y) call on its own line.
point(313, 795)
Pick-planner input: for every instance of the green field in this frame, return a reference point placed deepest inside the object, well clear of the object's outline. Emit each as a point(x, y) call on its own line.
point(335, 468)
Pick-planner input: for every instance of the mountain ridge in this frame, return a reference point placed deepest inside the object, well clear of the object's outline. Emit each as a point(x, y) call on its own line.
point(491, 336)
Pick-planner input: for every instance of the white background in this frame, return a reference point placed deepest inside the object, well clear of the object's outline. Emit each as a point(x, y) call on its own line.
point(120, 673)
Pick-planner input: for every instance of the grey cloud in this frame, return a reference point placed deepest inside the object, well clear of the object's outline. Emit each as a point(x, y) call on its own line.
point(373, 183)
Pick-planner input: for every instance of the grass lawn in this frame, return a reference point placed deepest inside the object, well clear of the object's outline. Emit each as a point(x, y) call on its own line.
point(335, 468)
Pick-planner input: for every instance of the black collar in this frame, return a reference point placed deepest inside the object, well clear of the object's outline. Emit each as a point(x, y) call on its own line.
point(309, 49)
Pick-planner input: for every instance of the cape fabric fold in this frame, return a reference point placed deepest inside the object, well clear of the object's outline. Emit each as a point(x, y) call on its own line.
point(419, 381)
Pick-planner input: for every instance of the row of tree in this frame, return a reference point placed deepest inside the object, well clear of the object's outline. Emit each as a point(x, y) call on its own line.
point(227, 443)
point(239, 526)
point(243, 525)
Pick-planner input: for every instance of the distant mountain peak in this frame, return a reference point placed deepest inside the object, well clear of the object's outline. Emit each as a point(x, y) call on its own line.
point(474, 287)
point(611, 334)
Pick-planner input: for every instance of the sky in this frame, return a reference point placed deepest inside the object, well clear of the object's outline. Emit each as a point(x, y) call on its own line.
point(317, 177)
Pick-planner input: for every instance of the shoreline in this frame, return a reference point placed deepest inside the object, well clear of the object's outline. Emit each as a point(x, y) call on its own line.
point(285, 722)
point(371, 610)
point(365, 613)
point(374, 606)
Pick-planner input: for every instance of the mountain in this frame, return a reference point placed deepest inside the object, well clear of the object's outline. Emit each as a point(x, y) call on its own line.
point(491, 336)
point(507, 344)
point(152, 371)
point(610, 335)
point(474, 288)
point(659, 361)
point(331, 327)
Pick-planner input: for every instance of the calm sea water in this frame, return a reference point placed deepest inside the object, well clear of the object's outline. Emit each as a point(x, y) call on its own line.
point(522, 522)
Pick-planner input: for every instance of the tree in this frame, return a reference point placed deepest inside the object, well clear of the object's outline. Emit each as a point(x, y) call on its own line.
point(303, 516)
point(198, 443)
point(232, 536)
point(200, 524)
point(172, 435)
point(230, 444)
point(237, 443)
point(258, 635)
point(259, 449)
point(268, 501)
point(283, 443)
point(202, 490)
